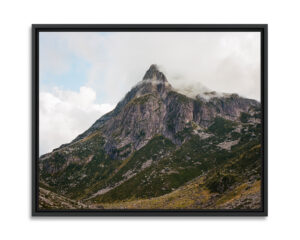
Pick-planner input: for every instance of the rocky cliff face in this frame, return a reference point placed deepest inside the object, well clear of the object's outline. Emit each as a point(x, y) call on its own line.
point(152, 108)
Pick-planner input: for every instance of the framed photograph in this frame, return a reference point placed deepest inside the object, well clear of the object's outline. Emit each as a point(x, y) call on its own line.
point(149, 120)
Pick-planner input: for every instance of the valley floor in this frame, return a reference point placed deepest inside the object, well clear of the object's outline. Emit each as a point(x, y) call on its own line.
point(190, 196)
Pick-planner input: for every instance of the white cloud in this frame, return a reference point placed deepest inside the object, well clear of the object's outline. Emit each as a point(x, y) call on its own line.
point(66, 114)
point(53, 57)
point(222, 61)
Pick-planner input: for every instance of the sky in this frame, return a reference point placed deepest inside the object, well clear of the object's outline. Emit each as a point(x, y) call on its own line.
point(83, 75)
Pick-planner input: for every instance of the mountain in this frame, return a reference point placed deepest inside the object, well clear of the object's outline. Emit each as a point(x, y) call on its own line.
point(159, 143)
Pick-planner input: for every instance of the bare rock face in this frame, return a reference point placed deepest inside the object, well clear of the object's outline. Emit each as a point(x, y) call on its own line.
point(154, 74)
point(150, 108)
point(155, 142)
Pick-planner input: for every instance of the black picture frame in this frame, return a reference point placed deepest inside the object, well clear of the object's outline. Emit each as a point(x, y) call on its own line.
point(36, 28)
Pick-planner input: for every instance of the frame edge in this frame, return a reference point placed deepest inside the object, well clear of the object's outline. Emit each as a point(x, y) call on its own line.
point(35, 28)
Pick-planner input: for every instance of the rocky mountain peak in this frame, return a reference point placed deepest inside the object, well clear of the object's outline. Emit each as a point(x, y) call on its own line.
point(154, 74)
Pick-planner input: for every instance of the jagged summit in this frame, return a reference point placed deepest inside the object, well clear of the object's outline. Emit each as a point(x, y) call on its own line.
point(155, 142)
point(153, 73)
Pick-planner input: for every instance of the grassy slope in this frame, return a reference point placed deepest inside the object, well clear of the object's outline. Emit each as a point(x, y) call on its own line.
point(194, 158)
point(191, 196)
point(199, 193)
point(84, 177)
point(167, 180)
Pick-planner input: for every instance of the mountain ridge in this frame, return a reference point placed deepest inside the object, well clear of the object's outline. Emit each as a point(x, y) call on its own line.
point(150, 124)
point(152, 79)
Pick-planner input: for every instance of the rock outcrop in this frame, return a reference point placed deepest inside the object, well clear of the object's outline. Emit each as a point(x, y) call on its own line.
point(151, 108)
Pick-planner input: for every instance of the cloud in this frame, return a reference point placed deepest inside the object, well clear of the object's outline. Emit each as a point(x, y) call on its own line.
point(107, 65)
point(225, 62)
point(66, 114)
point(221, 61)
point(58, 48)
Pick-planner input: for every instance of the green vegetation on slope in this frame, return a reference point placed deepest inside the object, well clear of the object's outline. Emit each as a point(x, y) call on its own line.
point(88, 167)
point(221, 126)
point(194, 158)
point(234, 184)
point(244, 117)
point(140, 160)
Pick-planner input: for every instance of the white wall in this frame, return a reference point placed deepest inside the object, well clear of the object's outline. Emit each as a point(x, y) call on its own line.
point(284, 162)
